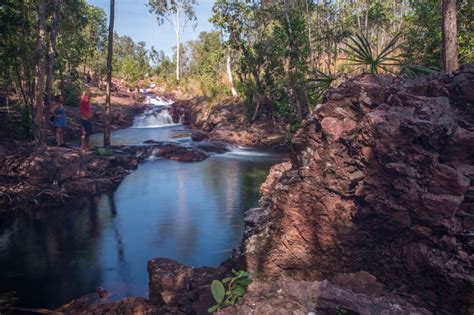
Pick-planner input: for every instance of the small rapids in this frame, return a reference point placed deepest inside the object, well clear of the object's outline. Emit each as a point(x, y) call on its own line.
point(156, 115)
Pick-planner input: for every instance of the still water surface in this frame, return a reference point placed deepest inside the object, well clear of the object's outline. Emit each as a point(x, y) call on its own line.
point(191, 212)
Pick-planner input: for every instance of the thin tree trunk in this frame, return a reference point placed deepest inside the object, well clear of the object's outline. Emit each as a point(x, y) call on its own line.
point(52, 54)
point(310, 36)
point(177, 57)
point(39, 76)
point(178, 42)
point(229, 74)
point(366, 22)
point(61, 78)
point(449, 53)
point(110, 50)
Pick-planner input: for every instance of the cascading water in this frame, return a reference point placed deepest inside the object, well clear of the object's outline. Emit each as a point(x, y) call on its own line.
point(156, 114)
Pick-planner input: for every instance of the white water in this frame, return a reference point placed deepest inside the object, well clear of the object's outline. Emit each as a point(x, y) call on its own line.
point(156, 115)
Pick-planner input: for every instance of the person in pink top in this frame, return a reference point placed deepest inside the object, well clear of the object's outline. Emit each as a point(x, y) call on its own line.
point(86, 114)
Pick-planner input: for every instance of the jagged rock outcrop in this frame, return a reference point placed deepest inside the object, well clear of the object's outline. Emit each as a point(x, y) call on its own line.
point(382, 181)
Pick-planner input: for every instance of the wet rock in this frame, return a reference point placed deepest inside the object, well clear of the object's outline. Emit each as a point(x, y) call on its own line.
point(381, 181)
point(180, 153)
point(168, 150)
point(198, 135)
point(150, 142)
point(212, 146)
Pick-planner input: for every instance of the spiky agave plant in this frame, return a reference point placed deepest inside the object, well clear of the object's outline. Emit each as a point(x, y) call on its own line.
point(363, 55)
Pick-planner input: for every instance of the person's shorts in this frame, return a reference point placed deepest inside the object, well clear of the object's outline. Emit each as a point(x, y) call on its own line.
point(86, 127)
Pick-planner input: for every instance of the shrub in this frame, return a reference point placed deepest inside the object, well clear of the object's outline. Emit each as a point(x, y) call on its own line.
point(72, 93)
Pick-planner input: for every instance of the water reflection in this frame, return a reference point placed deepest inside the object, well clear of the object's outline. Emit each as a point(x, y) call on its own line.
point(191, 212)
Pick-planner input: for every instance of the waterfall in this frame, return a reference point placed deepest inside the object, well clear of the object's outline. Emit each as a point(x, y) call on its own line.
point(156, 115)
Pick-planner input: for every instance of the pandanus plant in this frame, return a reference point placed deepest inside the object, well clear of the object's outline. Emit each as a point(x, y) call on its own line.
point(319, 83)
point(362, 54)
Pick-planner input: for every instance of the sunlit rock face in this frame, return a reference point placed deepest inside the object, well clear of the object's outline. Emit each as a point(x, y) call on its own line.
point(382, 180)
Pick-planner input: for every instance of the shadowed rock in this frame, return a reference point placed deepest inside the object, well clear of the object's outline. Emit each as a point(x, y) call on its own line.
point(380, 181)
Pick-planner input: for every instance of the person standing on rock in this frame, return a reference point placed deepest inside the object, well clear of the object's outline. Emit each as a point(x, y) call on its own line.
point(86, 114)
point(59, 119)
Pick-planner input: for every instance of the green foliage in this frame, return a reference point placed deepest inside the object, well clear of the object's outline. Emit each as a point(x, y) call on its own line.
point(130, 60)
point(236, 289)
point(218, 291)
point(72, 93)
point(414, 70)
point(104, 151)
point(422, 32)
point(318, 85)
point(362, 54)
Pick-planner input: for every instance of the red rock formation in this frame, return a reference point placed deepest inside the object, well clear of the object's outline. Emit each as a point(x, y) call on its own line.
point(228, 122)
point(349, 294)
point(47, 176)
point(382, 181)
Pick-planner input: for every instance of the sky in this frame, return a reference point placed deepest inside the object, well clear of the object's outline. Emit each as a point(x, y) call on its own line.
point(133, 19)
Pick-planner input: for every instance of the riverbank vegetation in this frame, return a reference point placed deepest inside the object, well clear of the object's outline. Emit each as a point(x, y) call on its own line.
point(284, 54)
point(277, 57)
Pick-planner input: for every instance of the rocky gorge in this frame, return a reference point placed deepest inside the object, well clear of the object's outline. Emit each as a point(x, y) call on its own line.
point(373, 214)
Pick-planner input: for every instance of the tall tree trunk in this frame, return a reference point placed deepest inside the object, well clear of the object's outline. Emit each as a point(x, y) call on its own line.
point(177, 57)
point(310, 36)
point(449, 53)
point(110, 51)
point(52, 54)
point(178, 43)
point(229, 74)
point(366, 22)
point(40, 122)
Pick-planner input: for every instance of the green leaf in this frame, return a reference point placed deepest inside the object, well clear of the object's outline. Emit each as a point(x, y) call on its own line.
point(244, 281)
point(104, 151)
point(239, 290)
point(218, 291)
point(213, 309)
point(225, 280)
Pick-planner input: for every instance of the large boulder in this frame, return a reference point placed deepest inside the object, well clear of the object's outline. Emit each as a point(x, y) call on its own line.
point(381, 181)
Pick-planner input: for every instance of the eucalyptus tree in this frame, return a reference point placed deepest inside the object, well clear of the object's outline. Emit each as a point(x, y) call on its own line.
point(449, 52)
point(52, 52)
point(40, 124)
point(178, 13)
point(110, 51)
